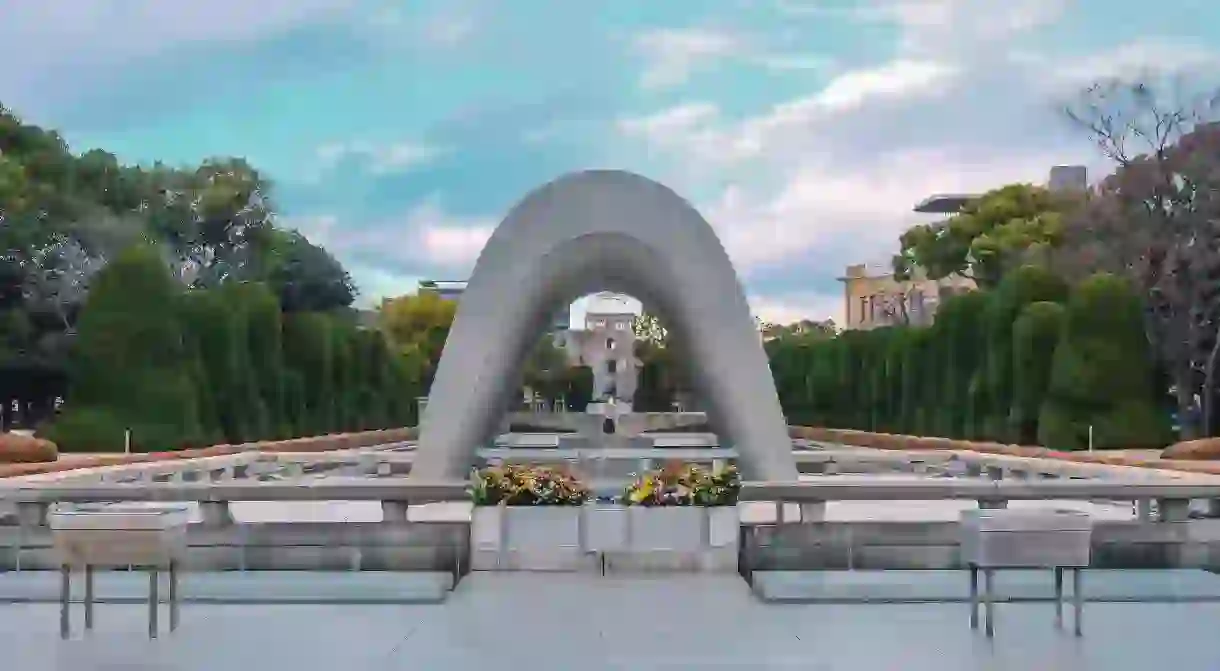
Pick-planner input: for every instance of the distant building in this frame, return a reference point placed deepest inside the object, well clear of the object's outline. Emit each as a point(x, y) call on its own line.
point(1061, 178)
point(874, 298)
point(451, 290)
point(606, 344)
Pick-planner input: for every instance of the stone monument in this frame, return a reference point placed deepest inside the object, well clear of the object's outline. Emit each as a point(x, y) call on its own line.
point(591, 231)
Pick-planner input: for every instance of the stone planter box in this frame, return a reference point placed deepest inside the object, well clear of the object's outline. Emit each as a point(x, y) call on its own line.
point(665, 538)
point(119, 536)
point(603, 536)
point(527, 538)
point(1026, 538)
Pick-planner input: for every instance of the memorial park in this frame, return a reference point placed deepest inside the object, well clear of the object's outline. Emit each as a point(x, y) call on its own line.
point(216, 461)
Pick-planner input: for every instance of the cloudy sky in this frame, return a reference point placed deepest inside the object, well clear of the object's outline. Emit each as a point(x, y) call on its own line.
point(398, 132)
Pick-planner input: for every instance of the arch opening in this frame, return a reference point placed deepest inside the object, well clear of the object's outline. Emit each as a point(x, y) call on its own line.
point(615, 231)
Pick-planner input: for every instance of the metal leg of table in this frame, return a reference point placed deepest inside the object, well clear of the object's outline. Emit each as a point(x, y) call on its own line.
point(989, 601)
point(1058, 597)
point(153, 598)
point(65, 593)
point(173, 596)
point(89, 596)
point(974, 596)
point(1077, 599)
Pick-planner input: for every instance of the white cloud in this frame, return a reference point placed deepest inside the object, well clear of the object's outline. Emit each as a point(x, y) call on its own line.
point(65, 33)
point(449, 240)
point(698, 131)
point(957, 29)
point(789, 308)
point(848, 213)
point(1147, 55)
point(382, 158)
point(673, 54)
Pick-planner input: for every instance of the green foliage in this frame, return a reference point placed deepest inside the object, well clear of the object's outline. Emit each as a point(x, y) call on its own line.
point(1102, 373)
point(956, 351)
point(1035, 335)
point(578, 385)
point(949, 379)
point(1021, 287)
point(63, 216)
point(132, 368)
point(988, 237)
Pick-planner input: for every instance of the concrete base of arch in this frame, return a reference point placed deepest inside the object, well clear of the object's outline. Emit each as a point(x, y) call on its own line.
point(591, 231)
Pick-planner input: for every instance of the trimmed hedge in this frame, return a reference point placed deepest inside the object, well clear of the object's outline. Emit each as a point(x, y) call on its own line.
point(1102, 374)
point(186, 368)
point(1012, 365)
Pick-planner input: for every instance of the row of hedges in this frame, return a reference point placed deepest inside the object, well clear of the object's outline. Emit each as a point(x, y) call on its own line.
point(1030, 362)
point(326, 443)
point(189, 368)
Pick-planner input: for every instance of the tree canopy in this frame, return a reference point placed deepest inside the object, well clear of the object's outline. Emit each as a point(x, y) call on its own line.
point(992, 234)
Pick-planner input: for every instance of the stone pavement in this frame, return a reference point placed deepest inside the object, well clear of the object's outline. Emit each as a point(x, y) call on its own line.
point(539, 622)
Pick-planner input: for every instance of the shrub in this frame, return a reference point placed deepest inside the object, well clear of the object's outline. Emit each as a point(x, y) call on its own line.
point(131, 367)
point(1202, 448)
point(521, 485)
point(86, 430)
point(1021, 287)
point(685, 485)
point(1035, 335)
point(1101, 374)
point(18, 449)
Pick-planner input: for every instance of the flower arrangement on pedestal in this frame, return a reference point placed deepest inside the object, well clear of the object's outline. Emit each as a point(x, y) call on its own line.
point(678, 484)
point(526, 485)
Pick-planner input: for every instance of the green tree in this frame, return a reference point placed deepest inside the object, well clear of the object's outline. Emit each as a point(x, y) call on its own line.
point(1035, 335)
point(956, 349)
point(1102, 374)
point(131, 368)
point(1019, 288)
point(991, 235)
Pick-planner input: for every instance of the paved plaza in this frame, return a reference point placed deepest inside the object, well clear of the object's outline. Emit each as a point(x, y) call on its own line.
point(539, 622)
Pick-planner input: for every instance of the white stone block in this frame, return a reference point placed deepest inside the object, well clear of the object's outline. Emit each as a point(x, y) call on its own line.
point(724, 526)
point(605, 527)
point(675, 528)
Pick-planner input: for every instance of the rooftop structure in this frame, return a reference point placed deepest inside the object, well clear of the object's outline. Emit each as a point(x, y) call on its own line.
point(1062, 178)
point(447, 289)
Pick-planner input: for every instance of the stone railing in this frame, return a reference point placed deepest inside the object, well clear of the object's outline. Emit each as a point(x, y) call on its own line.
point(219, 542)
point(1172, 538)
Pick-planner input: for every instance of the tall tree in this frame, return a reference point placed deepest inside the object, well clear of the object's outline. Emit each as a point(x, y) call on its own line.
point(305, 276)
point(418, 324)
point(1156, 220)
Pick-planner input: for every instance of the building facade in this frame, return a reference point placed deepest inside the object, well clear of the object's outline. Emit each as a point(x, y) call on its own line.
point(874, 298)
point(606, 345)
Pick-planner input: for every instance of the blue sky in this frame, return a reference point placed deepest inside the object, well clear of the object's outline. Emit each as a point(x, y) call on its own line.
point(399, 132)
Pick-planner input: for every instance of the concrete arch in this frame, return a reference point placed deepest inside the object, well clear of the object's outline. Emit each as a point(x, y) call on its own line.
point(590, 231)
